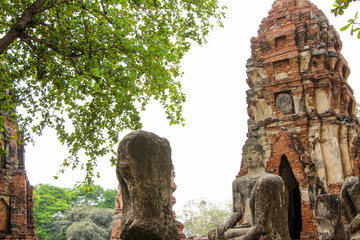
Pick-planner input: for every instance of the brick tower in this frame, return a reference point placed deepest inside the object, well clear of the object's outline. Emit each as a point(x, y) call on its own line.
point(301, 107)
point(16, 194)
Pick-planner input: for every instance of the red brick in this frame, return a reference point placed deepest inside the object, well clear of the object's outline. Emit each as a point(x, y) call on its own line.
point(16, 194)
point(288, 31)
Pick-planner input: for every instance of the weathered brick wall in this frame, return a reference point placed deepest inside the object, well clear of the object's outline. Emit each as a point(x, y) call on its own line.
point(16, 194)
point(116, 229)
point(300, 105)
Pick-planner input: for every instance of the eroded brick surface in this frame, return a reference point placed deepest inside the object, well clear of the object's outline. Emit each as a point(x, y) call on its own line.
point(301, 107)
point(16, 194)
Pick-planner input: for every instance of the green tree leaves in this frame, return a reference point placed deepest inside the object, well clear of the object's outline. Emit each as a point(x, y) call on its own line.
point(49, 201)
point(87, 68)
point(83, 223)
point(55, 204)
point(339, 9)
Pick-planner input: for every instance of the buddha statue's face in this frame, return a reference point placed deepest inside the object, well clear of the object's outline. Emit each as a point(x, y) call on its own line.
point(252, 157)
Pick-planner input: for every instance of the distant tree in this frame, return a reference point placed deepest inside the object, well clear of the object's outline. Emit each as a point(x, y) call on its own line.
point(199, 216)
point(82, 222)
point(51, 203)
point(109, 198)
point(339, 9)
point(97, 197)
point(87, 68)
point(48, 202)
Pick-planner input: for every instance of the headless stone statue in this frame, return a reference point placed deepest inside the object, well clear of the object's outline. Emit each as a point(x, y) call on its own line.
point(328, 217)
point(350, 202)
point(144, 172)
point(264, 198)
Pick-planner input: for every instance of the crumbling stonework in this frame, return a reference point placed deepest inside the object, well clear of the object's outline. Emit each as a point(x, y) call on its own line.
point(328, 217)
point(116, 229)
point(16, 194)
point(146, 177)
point(269, 206)
point(350, 203)
point(179, 225)
point(259, 198)
point(301, 107)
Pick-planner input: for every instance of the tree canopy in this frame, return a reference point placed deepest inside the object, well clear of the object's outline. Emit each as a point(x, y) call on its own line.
point(87, 68)
point(53, 206)
point(339, 9)
point(200, 216)
point(82, 222)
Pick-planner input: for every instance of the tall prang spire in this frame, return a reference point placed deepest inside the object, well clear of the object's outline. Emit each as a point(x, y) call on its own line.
point(301, 107)
point(289, 3)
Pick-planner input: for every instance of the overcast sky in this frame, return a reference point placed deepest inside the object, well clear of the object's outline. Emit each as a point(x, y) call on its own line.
point(206, 153)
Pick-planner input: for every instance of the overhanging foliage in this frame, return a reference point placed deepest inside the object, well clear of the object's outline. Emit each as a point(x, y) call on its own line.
point(87, 68)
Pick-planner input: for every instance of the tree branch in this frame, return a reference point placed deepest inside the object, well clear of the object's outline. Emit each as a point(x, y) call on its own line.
point(52, 5)
point(28, 42)
point(55, 49)
point(20, 25)
point(111, 21)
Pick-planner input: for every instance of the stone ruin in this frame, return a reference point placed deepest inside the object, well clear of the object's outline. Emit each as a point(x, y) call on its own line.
point(16, 194)
point(259, 198)
point(301, 111)
point(301, 108)
point(116, 229)
point(328, 217)
point(146, 184)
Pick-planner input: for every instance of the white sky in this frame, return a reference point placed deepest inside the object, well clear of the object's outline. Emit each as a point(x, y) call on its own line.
point(206, 153)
